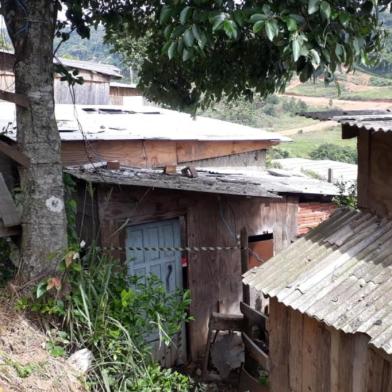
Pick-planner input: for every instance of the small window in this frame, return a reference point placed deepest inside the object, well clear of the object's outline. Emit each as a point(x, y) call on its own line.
point(261, 248)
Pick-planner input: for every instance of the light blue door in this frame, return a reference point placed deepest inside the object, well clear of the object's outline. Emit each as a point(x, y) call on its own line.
point(165, 264)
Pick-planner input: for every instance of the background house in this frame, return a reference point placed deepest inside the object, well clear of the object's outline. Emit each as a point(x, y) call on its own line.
point(97, 88)
point(330, 307)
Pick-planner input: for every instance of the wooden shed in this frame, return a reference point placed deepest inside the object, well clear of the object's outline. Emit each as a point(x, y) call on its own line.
point(330, 325)
point(143, 211)
point(94, 91)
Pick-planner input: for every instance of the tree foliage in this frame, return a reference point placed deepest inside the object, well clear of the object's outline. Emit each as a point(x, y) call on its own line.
point(198, 51)
point(335, 153)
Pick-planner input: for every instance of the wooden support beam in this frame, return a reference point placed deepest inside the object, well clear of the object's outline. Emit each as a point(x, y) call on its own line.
point(9, 231)
point(349, 131)
point(255, 352)
point(13, 153)
point(226, 322)
point(17, 99)
point(245, 263)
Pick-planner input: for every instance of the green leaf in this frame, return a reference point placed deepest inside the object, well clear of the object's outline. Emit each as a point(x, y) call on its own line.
point(296, 49)
point(315, 58)
point(258, 26)
point(196, 32)
point(257, 17)
point(313, 6)
point(217, 21)
point(186, 54)
point(185, 14)
point(230, 29)
point(325, 10)
point(291, 24)
point(167, 31)
point(271, 29)
point(166, 13)
point(42, 288)
point(344, 18)
point(172, 50)
point(188, 38)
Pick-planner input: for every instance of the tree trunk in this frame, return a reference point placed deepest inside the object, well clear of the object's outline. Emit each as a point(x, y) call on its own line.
point(31, 26)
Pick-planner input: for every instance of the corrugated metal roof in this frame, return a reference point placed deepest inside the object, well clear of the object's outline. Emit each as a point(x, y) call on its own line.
point(371, 120)
point(139, 122)
point(339, 273)
point(341, 171)
point(105, 69)
point(253, 183)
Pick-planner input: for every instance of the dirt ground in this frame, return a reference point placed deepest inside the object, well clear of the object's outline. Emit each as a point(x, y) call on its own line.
point(25, 363)
point(342, 104)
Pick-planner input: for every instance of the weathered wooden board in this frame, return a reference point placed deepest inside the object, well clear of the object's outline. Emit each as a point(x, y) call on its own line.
point(375, 178)
point(295, 359)
point(279, 346)
point(13, 153)
point(152, 153)
point(255, 352)
point(253, 316)
point(17, 99)
point(321, 359)
point(8, 212)
point(188, 151)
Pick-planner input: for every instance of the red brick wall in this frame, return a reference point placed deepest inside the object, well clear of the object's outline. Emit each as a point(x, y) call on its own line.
point(312, 214)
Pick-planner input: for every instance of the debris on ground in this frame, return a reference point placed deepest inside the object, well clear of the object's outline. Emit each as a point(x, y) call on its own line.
point(25, 363)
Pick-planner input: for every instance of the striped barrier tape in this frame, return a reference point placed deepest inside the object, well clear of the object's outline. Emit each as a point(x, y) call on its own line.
point(176, 248)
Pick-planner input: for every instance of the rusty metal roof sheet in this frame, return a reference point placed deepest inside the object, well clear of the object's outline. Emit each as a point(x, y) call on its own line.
point(340, 273)
point(218, 180)
point(371, 120)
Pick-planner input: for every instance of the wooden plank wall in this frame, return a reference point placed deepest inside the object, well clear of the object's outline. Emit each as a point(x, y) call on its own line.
point(153, 153)
point(375, 174)
point(306, 355)
point(214, 278)
point(94, 90)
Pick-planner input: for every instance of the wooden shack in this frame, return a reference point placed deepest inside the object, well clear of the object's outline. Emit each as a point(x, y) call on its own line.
point(95, 89)
point(144, 208)
point(330, 325)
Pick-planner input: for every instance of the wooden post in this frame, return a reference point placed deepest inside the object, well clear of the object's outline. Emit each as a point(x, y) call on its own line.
point(244, 263)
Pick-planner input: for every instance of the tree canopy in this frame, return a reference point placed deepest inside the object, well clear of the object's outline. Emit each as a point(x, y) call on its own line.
point(196, 51)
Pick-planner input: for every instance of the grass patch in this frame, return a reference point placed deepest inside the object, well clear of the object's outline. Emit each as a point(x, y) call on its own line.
point(304, 143)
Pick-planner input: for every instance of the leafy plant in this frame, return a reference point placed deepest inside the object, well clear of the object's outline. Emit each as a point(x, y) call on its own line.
point(103, 309)
point(347, 195)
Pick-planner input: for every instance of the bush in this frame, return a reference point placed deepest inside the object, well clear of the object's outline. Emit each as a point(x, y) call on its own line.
point(335, 152)
point(103, 309)
point(347, 196)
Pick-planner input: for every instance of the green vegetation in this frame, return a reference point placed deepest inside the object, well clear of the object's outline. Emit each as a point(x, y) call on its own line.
point(276, 113)
point(305, 143)
point(96, 305)
point(335, 152)
point(347, 196)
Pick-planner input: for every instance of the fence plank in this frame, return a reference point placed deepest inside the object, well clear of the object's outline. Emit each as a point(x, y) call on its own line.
point(253, 316)
point(8, 211)
point(255, 352)
point(14, 154)
point(18, 99)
